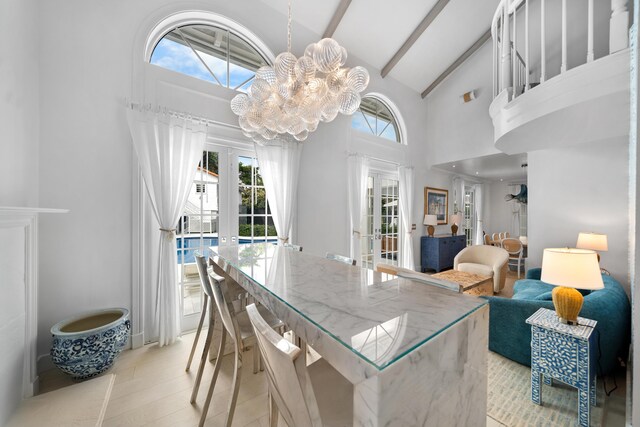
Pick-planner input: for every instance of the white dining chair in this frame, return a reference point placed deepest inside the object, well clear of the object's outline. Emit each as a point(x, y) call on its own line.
point(515, 249)
point(340, 258)
point(293, 247)
point(201, 264)
point(237, 326)
point(315, 395)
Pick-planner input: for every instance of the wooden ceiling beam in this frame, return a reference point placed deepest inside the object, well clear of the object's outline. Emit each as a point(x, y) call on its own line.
point(415, 35)
point(337, 17)
point(477, 45)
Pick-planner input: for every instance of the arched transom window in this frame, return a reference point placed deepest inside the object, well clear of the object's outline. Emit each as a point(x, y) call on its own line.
point(375, 117)
point(215, 54)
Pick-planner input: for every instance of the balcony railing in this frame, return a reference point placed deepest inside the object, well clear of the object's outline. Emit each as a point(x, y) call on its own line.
point(517, 32)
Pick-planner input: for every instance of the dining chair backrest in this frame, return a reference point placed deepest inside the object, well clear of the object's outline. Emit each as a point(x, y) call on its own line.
point(225, 307)
point(201, 262)
point(287, 374)
point(507, 234)
point(513, 246)
point(340, 258)
point(501, 235)
point(495, 237)
point(487, 239)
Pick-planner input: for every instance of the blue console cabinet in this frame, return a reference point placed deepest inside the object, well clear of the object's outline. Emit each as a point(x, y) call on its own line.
point(437, 252)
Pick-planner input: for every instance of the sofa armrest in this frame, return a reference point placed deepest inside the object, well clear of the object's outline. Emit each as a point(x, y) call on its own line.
point(509, 334)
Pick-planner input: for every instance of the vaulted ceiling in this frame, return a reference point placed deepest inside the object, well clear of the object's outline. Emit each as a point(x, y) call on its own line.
point(414, 41)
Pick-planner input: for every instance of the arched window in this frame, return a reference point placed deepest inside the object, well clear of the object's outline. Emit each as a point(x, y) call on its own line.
point(216, 54)
point(375, 117)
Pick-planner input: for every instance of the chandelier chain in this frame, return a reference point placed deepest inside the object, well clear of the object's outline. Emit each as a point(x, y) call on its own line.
point(289, 29)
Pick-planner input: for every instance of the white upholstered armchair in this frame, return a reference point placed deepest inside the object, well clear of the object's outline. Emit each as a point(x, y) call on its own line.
point(484, 260)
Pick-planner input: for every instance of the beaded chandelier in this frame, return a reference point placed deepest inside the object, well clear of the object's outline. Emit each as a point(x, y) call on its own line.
point(291, 98)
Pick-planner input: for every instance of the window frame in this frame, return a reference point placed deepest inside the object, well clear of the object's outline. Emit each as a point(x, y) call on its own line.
point(395, 113)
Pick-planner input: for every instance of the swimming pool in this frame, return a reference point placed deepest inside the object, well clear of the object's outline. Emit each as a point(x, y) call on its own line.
point(187, 246)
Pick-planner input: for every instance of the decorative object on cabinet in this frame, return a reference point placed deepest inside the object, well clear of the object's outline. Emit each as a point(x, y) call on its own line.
point(430, 221)
point(456, 219)
point(570, 269)
point(436, 202)
point(437, 252)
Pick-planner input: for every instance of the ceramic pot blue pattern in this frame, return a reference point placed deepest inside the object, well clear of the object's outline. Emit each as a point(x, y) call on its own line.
point(86, 353)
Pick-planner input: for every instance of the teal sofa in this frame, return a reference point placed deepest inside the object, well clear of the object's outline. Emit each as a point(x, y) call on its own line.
point(510, 335)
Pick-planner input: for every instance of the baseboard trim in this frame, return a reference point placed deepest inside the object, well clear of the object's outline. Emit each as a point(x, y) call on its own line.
point(137, 340)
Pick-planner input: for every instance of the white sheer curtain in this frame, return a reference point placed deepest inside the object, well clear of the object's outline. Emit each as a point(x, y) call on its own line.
point(405, 180)
point(479, 239)
point(168, 149)
point(358, 175)
point(279, 163)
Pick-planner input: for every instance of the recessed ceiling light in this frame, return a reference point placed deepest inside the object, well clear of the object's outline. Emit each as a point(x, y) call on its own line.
point(501, 179)
point(454, 166)
point(477, 173)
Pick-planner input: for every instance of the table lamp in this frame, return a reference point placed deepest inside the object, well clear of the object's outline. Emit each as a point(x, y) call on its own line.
point(455, 220)
point(593, 241)
point(569, 269)
point(430, 221)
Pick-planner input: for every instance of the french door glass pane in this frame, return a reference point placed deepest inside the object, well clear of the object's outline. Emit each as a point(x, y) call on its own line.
point(379, 243)
point(197, 229)
point(255, 223)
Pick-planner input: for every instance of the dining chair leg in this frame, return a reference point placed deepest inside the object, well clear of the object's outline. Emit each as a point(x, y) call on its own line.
point(203, 358)
point(197, 337)
point(214, 377)
point(237, 373)
point(273, 412)
point(256, 359)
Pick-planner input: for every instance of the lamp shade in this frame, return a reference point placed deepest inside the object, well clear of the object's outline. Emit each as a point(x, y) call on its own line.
point(430, 220)
point(456, 219)
point(571, 268)
point(593, 241)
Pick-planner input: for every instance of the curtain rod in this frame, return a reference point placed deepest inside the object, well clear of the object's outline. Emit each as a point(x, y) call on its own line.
point(178, 114)
point(353, 153)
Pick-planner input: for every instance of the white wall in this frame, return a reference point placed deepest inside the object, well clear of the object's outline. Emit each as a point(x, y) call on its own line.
point(500, 212)
point(578, 189)
point(18, 182)
point(458, 131)
point(19, 103)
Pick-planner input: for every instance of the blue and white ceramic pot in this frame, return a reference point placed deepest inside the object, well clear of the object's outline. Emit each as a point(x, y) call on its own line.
point(87, 345)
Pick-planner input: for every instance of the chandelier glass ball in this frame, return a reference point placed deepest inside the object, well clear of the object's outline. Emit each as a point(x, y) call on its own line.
point(291, 98)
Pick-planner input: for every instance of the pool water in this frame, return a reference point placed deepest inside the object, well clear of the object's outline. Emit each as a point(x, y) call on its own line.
point(187, 246)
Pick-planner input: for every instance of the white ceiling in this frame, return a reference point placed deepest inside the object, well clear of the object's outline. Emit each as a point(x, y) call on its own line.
point(374, 30)
point(495, 167)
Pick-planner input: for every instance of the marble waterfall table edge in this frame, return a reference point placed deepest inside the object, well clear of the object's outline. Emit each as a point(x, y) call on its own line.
point(441, 382)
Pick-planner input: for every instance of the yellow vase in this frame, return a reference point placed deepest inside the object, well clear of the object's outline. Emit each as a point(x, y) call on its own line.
point(568, 303)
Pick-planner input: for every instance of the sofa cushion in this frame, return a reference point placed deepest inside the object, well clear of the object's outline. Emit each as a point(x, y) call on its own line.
point(481, 269)
point(547, 296)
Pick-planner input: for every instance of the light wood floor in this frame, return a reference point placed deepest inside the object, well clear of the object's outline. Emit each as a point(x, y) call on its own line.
point(152, 389)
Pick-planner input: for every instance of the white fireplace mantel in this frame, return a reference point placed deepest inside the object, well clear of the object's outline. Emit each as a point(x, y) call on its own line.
point(26, 218)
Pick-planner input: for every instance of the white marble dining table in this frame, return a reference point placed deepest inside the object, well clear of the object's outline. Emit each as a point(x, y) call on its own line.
point(416, 353)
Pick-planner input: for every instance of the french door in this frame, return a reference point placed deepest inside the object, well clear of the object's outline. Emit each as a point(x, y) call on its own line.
point(226, 205)
point(380, 242)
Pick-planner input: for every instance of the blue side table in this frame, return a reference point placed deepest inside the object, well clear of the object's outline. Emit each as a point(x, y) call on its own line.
point(566, 353)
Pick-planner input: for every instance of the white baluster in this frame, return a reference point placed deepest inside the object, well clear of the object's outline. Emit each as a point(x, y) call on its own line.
point(516, 80)
point(618, 26)
point(526, 44)
point(590, 32)
point(563, 66)
point(543, 56)
point(506, 50)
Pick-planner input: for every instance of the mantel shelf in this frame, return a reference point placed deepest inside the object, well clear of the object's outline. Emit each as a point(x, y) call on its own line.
point(27, 210)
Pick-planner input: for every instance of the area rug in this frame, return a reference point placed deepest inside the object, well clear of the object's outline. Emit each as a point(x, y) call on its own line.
point(509, 398)
point(79, 405)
